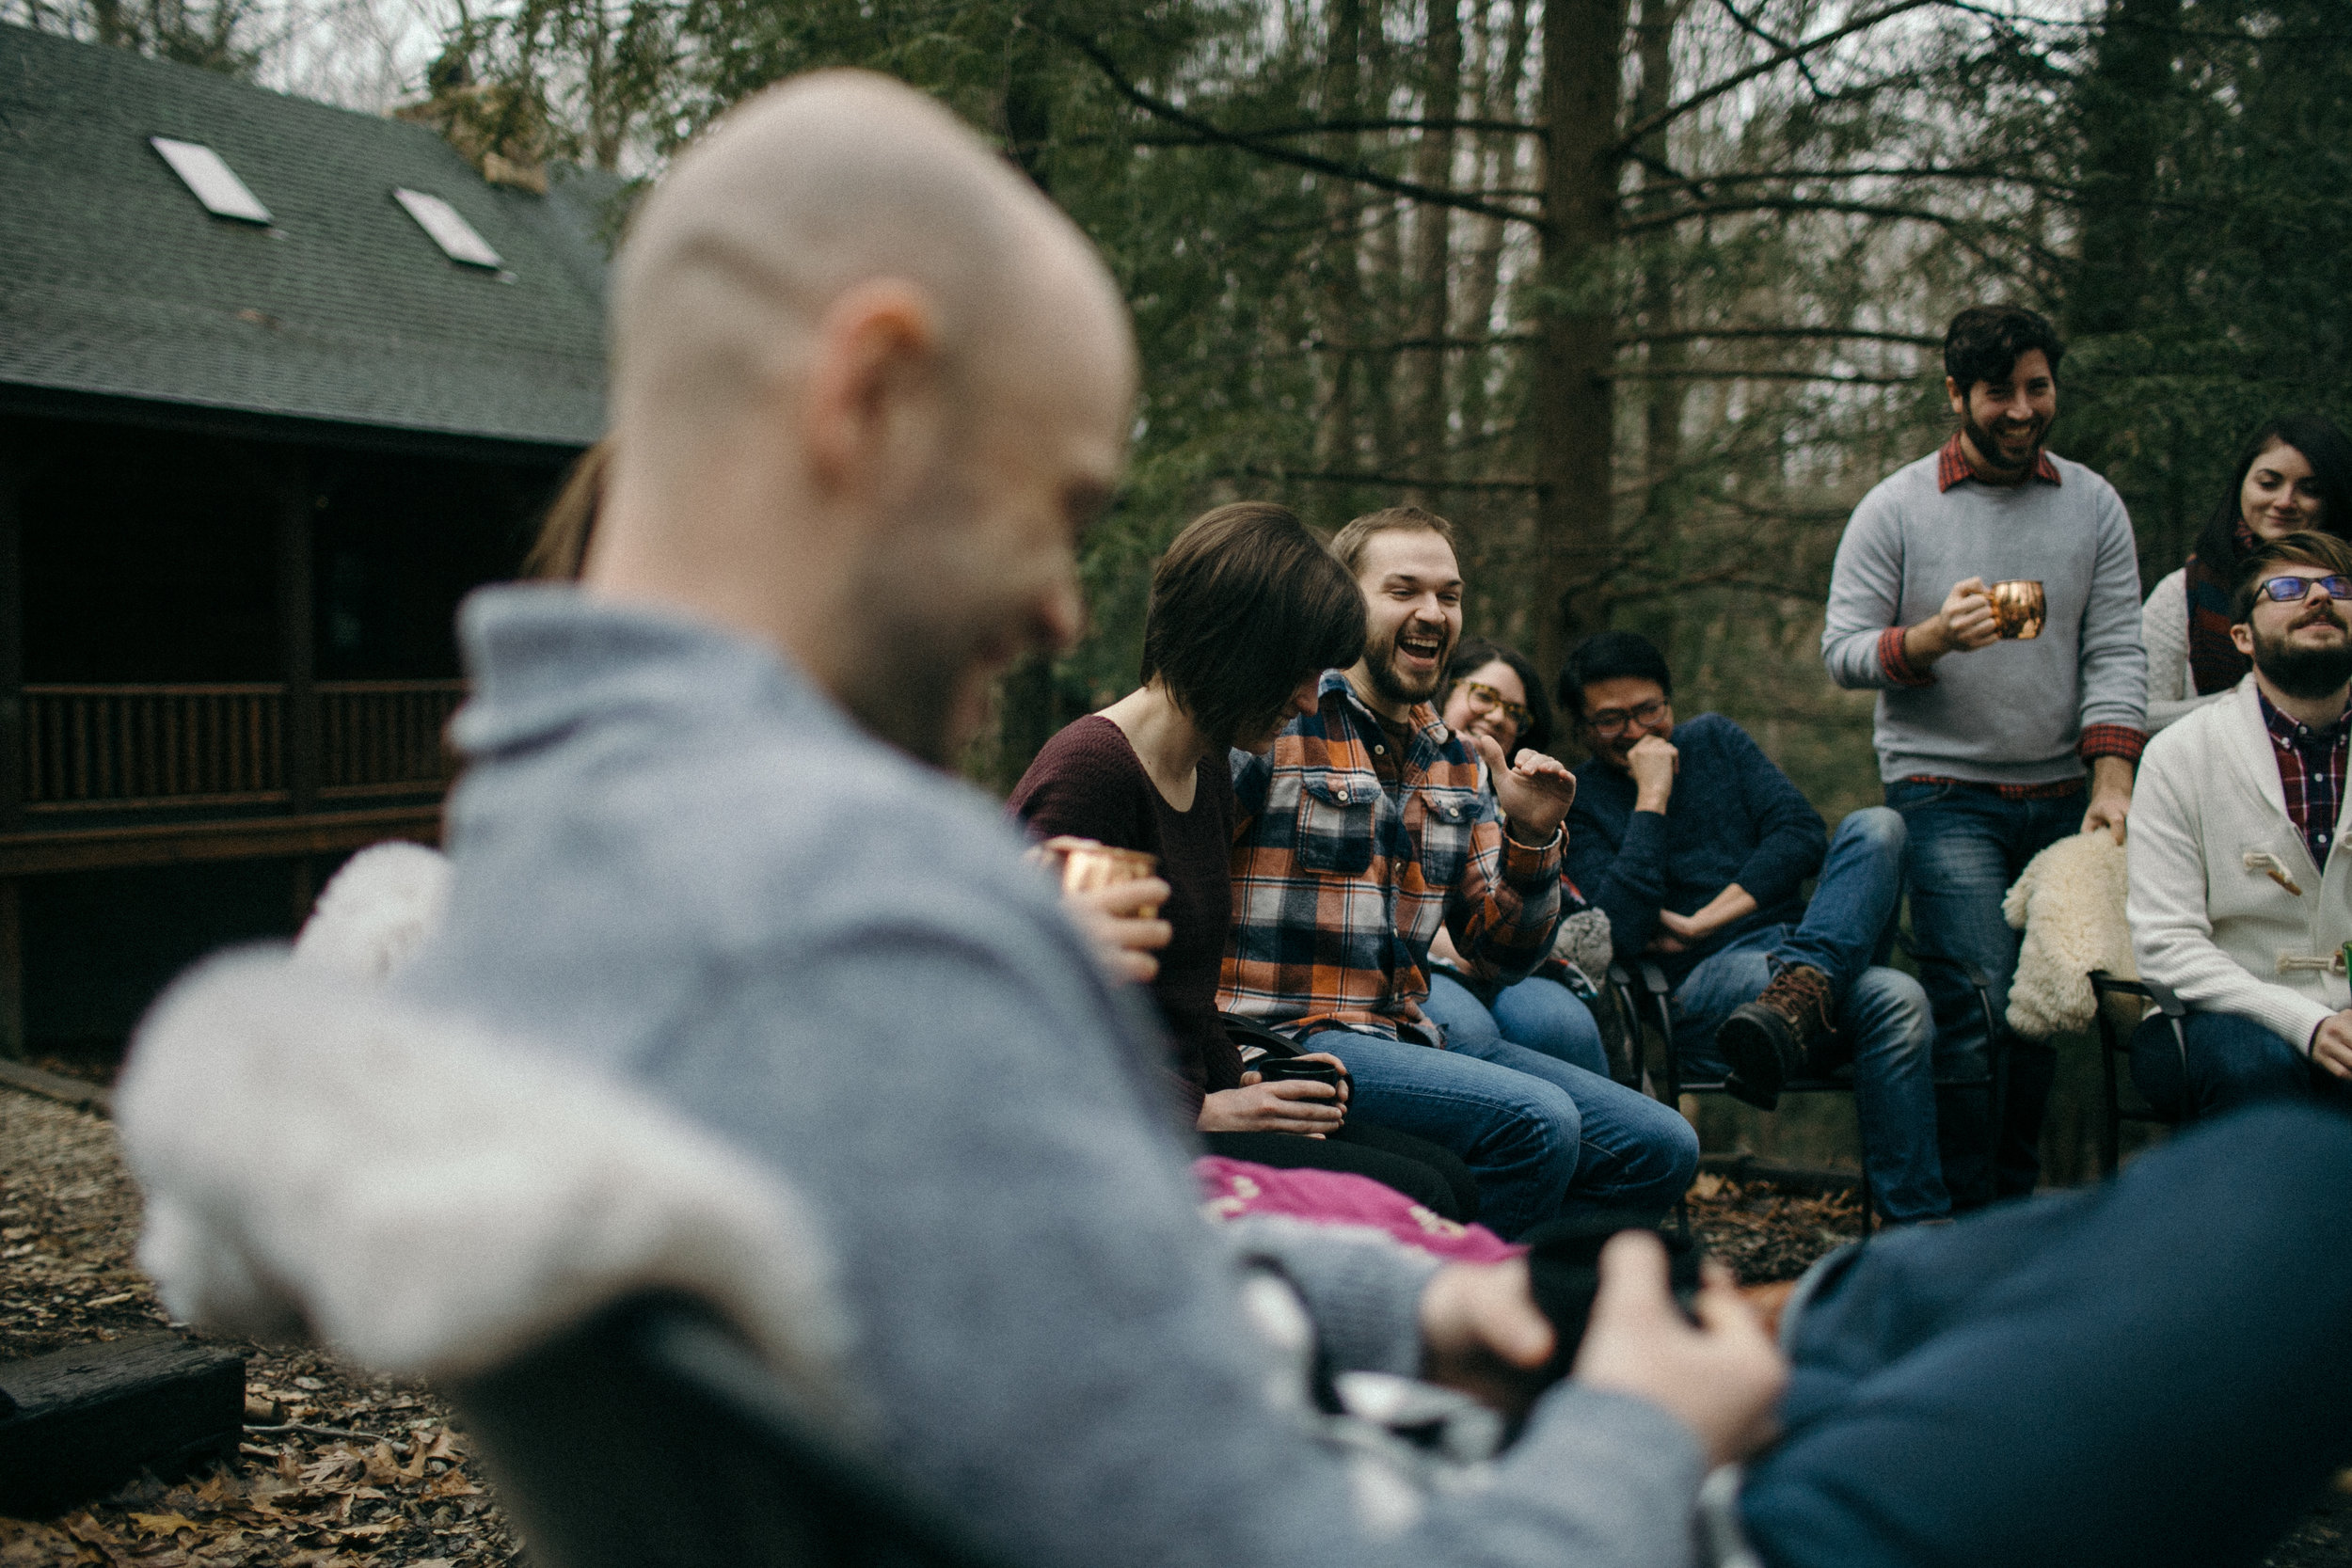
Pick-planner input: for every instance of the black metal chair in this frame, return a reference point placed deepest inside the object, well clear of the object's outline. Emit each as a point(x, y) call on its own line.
point(2113, 1043)
point(1670, 1086)
point(651, 1437)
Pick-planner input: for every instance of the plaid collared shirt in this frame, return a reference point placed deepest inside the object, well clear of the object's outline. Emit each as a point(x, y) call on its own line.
point(1340, 883)
point(2310, 768)
point(1951, 467)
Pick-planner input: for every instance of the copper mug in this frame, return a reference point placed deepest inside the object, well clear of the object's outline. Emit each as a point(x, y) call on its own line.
point(1086, 865)
point(2019, 608)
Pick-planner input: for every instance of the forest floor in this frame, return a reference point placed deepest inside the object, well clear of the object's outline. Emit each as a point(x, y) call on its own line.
point(382, 1480)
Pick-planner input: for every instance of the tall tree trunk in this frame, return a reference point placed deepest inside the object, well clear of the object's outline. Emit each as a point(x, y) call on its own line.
point(2122, 108)
point(1665, 391)
point(1029, 710)
point(1569, 392)
point(1337, 431)
point(1498, 163)
point(1432, 255)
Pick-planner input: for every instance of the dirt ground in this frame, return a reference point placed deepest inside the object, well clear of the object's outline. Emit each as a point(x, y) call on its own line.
point(394, 1490)
point(380, 1479)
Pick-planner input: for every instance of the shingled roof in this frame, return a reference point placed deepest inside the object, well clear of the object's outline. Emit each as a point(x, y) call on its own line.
point(115, 282)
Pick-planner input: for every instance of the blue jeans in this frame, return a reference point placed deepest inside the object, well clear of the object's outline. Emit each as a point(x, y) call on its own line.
point(1967, 845)
point(1541, 1015)
point(2232, 1061)
point(1542, 1137)
point(2146, 1373)
point(1883, 1014)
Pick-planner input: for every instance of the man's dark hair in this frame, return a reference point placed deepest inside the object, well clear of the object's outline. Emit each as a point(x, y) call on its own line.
point(1607, 656)
point(1473, 654)
point(1984, 341)
point(1246, 605)
point(1348, 544)
point(2324, 550)
point(2329, 454)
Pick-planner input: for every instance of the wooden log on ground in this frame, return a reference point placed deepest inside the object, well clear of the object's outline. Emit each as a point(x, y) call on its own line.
point(77, 1422)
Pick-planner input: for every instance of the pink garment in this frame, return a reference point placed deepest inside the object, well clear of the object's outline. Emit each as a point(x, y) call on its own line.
point(1231, 1188)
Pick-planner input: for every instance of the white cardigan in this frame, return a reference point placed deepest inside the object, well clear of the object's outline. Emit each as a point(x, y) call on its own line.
point(2164, 631)
point(2203, 921)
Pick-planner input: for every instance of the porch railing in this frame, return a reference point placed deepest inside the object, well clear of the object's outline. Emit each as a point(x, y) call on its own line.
point(118, 748)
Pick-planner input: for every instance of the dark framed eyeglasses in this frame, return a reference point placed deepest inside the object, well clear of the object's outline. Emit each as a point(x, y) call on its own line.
point(2294, 590)
point(1487, 698)
point(1613, 721)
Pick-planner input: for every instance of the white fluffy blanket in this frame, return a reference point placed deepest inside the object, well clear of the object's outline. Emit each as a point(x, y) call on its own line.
point(2070, 904)
point(377, 910)
point(428, 1198)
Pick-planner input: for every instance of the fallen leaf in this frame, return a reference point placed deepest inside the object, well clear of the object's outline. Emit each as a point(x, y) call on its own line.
point(453, 1484)
point(161, 1524)
point(365, 1532)
point(383, 1466)
point(1707, 1186)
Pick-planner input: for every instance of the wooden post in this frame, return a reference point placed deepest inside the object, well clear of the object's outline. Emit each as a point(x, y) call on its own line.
point(11, 743)
point(11, 637)
point(12, 967)
point(296, 617)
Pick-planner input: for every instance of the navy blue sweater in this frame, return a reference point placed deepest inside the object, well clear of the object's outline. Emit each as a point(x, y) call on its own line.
point(1734, 817)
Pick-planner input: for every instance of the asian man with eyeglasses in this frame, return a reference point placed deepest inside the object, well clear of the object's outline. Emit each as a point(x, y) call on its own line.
point(1696, 844)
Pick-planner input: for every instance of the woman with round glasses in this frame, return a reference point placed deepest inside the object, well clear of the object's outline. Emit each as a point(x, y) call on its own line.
point(1493, 691)
point(2294, 475)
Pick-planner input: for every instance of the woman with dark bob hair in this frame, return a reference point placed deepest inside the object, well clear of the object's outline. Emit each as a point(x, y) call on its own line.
point(1248, 611)
point(2295, 476)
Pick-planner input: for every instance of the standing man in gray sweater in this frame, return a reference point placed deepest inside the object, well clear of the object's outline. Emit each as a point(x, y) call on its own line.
point(1992, 721)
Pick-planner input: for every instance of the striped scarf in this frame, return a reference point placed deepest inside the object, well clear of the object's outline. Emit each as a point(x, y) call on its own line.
point(2214, 662)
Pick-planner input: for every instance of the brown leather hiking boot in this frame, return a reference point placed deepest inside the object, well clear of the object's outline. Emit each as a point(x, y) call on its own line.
point(1767, 1040)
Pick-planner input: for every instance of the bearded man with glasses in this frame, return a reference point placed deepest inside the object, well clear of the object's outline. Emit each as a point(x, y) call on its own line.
point(2241, 897)
point(1696, 844)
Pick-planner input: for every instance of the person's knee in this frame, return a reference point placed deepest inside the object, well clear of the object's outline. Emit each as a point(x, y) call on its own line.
point(1881, 829)
point(1891, 1013)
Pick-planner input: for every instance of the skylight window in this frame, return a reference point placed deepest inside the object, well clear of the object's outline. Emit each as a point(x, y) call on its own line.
point(210, 180)
point(453, 233)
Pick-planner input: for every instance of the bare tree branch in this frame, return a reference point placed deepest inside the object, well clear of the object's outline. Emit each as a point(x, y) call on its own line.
point(1333, 476)
point(1250, 142)
point(1728, 333)
point(1772, 62)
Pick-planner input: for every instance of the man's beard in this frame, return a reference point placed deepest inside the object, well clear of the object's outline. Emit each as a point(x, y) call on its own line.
point(1392, 687)
point(1989, 448)
point(2305, 673)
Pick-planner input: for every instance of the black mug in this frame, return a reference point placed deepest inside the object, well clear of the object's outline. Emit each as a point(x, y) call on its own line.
point(1297, 1068)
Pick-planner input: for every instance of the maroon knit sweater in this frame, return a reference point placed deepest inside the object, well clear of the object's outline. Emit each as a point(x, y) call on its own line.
point(1087, 780)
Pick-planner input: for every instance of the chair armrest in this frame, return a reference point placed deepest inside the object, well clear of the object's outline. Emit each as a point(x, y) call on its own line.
point(2106, 984)
point(2167, 1001)
point(1245, 1031)
point(1969, 971)
point(1654, 979)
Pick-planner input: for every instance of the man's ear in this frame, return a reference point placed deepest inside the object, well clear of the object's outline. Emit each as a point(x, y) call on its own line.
point(875, 354)
point(2242, 636)
point(1957, 399)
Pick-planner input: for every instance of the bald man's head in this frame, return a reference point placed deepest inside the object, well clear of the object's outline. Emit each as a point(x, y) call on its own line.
point(814, 186)
point(867, 384)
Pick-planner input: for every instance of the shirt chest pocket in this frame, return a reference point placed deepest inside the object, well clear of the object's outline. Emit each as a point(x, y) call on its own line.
point(1445, 830)
point(1338, 820)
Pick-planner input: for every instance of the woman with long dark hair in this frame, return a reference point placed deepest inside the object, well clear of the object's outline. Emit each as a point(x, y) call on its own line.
point(1247, 610)
point(2294, 475)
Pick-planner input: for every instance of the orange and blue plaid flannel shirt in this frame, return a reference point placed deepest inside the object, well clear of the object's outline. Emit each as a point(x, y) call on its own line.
point(1339, 886)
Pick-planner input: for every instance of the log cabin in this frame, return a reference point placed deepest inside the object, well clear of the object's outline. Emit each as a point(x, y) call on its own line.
point(278, 383)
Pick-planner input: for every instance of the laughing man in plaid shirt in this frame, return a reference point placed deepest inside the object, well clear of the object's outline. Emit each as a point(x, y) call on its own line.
point(2241, 891)
point(1362, 831)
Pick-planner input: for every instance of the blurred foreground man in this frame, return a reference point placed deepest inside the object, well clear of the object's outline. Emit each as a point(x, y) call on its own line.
point(868, 390)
